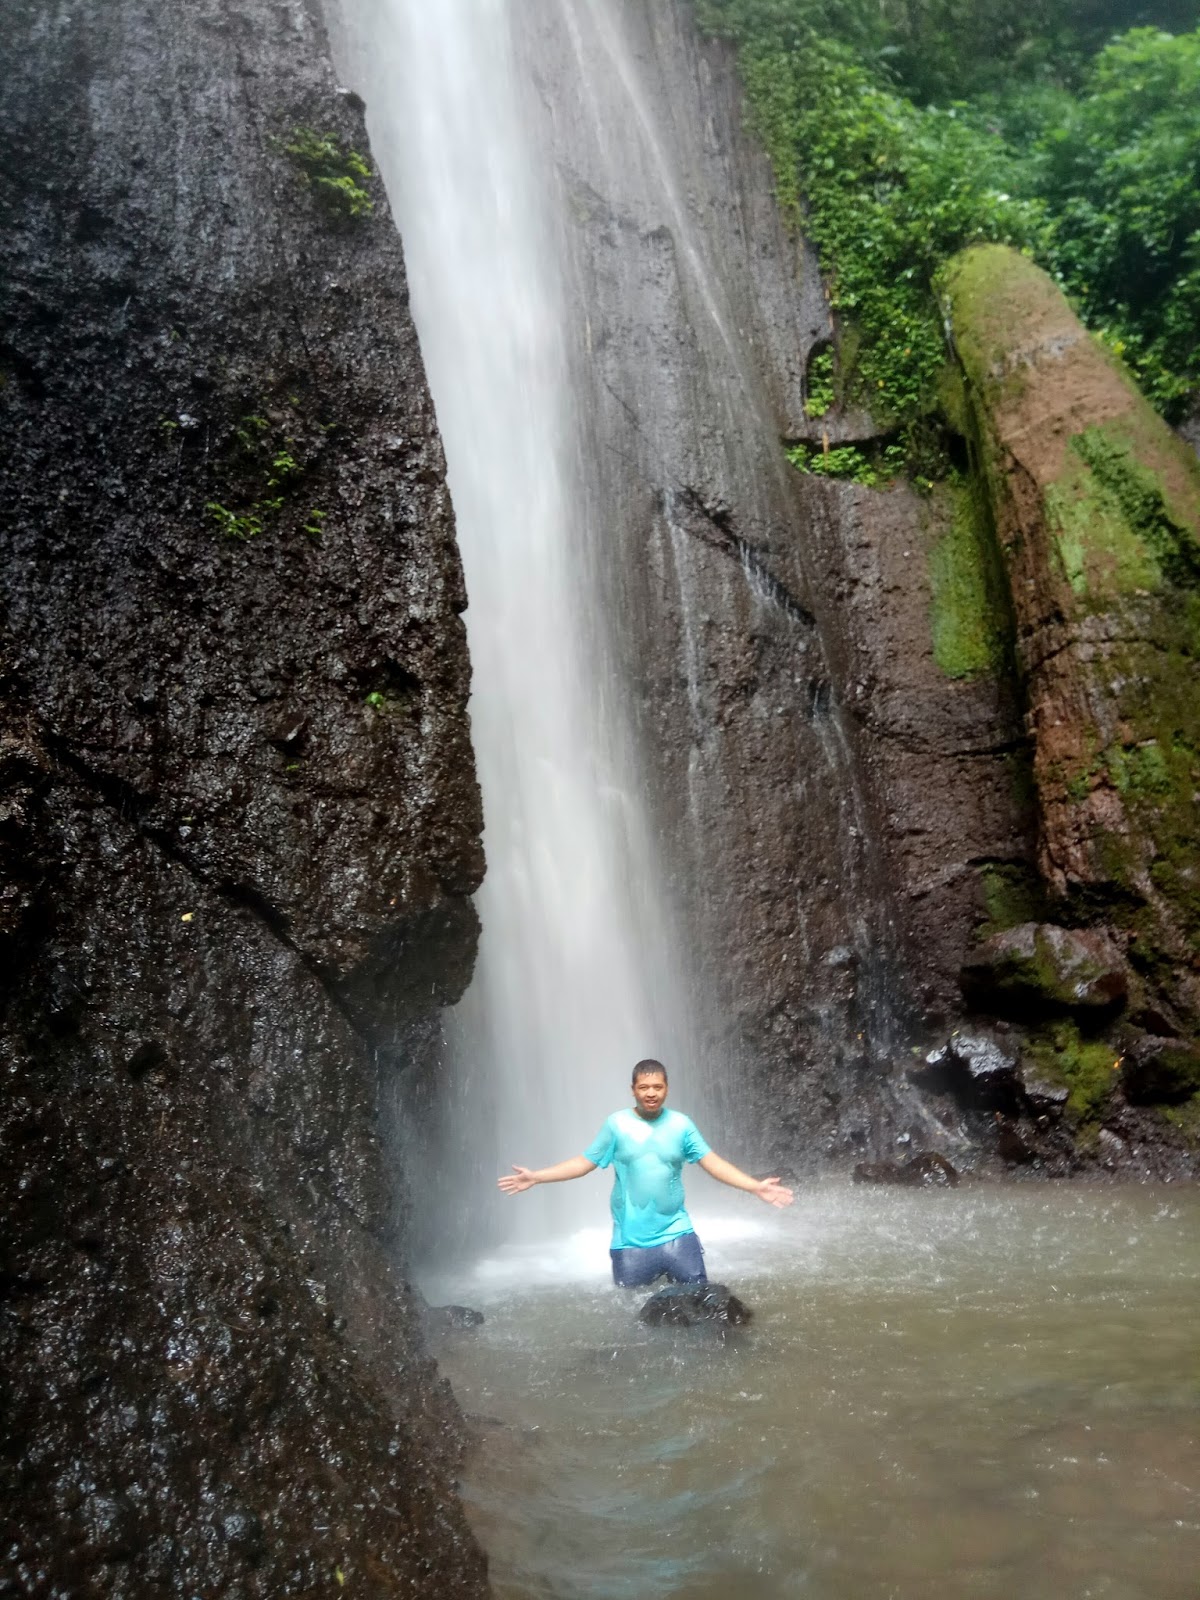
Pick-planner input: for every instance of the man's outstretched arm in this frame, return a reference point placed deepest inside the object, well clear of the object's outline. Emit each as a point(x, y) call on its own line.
point(768, 1189)
point(522, 1178)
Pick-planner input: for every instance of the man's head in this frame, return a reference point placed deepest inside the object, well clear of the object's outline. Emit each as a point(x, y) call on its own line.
point(649, 1087)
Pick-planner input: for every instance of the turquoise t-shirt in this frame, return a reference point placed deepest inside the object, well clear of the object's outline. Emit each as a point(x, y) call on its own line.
point(647, 1160)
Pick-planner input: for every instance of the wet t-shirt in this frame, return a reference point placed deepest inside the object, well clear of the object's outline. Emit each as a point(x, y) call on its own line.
point(647, 1160)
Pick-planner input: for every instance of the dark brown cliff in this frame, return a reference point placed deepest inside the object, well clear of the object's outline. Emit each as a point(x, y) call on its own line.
point(239, 823)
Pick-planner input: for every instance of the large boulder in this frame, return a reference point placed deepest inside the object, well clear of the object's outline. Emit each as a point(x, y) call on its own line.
point(1040, 966)
point(983, 1074)
point(975, 1069)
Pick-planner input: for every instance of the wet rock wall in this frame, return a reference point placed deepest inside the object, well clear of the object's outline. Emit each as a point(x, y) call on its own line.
point(239, 824)
point(827, 793)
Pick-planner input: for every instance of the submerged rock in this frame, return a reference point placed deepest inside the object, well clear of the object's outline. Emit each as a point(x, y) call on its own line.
point(453, 1317)
point(1040, 965)
point(926, 1170)
point(686, 1305)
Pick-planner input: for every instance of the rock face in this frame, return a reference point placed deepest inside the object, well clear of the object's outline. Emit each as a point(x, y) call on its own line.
point(1158, 1071)
point(1097, 517)
point(239, 825)
point(879, 729)
point(829, 792)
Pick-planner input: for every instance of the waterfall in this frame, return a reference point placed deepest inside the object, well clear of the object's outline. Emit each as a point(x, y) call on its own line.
point(616, 325)
point(575, 978)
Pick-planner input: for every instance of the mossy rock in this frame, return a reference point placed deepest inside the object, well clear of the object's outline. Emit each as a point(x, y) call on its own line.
point(1088, 1068)
point(969, 611)
point(1119, 488)
point(1040, 967)
point(1161, 1071)
point(1095, 506)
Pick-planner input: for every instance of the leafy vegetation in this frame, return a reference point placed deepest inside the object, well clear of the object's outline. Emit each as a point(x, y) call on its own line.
point(271, 452)
point(241, 525)
point(848, 462)
point(820, 383)
point(902, 132)
point(335, 173)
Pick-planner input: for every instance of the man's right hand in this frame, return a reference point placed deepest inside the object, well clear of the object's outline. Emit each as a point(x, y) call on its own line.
point(523, 1179)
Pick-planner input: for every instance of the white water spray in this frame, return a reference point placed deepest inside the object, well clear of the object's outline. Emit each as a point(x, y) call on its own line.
point(574, 980)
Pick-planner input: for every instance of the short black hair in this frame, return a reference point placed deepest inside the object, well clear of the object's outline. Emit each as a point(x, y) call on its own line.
point(647, 1069)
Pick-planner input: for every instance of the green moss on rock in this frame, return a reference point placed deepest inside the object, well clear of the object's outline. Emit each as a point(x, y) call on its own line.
point(1087, 1068)
point(1185, 1119)
point(969, 607)
point(1161, 1071)
point(1013, 894)
point(1096, 510)
point(1039, 966)
point(1113, 529)
point(1099, 553)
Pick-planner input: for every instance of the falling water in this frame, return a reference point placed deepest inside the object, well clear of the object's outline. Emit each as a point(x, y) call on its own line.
point(573, 982)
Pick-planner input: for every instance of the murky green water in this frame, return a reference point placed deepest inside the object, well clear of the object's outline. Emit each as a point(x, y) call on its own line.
point(990, 1393)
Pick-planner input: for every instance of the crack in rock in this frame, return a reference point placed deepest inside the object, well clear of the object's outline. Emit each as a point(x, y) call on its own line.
point(713, 526)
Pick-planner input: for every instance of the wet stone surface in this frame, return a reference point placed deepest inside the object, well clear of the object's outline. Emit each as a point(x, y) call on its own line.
point(239, 827)
point(684, 1305)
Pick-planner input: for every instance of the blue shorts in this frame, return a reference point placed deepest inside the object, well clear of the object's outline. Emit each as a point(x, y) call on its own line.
point(680, 1259)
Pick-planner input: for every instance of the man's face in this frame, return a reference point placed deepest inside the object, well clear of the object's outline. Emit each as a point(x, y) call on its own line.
point(650, 1093)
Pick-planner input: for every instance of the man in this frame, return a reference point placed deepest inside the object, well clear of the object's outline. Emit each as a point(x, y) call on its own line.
point(647, 1147)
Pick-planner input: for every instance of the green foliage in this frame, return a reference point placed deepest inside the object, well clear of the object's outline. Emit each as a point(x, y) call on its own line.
point(1119, 168)
point(890, 192)
point(283, 466)
point(845, 461)
point(249, 432)
point(242, 525)
point(335, 172)
point(1090, 162)
point(819, 383)
point(947, 50)
point(264, 468)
